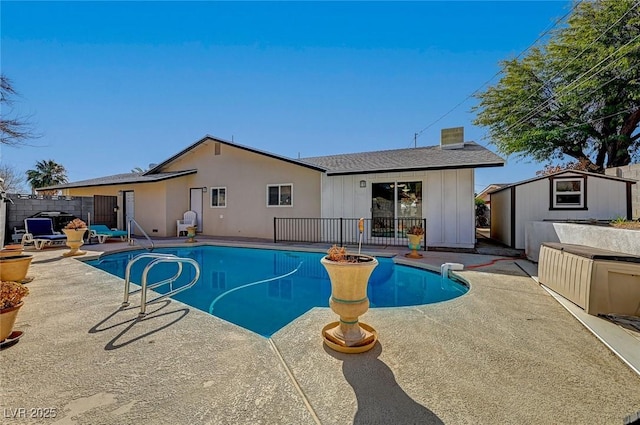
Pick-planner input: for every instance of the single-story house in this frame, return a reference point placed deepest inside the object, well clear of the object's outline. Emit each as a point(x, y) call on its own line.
point(484, 193)
point(238, 190)
point(561, 196)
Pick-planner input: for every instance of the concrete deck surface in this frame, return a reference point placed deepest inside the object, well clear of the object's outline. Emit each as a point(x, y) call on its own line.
point(505, 353)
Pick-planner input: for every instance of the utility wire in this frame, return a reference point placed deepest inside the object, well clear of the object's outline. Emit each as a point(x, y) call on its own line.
point(580, 54)
point(572, 86)
point(546, 31)
point(587, 95)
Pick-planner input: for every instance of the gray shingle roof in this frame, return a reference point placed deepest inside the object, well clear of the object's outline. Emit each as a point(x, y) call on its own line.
point(412, 159)
point(126, 178)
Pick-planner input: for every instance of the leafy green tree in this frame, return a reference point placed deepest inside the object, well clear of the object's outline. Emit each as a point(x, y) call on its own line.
point(46, 173)
point(14, 130)
point(578, 96)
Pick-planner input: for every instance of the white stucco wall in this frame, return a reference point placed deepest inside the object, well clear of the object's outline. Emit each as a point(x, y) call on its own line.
point(610, 238)
point(448, 202)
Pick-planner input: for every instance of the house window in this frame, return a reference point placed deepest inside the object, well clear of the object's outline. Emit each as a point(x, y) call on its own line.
point(218, 197)
point(280, 195)
point(568, 193)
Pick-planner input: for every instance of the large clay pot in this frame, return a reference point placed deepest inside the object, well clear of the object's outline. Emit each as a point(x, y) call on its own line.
point(15, 268)
point(7, 320)
point(11, 250)
point(349, 300)
point(75, 239)
point(191, 234)
point(414, 245)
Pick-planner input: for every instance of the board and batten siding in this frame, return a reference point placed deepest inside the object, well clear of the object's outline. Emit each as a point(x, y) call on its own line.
point(606, 199)
point(447, 199)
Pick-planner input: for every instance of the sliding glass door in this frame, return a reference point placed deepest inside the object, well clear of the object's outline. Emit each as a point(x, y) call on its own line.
point(395, 206)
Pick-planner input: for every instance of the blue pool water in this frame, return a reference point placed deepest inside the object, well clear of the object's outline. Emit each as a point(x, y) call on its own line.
point(266, 307)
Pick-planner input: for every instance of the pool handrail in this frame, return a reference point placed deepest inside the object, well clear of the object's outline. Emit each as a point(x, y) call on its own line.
point(130, 224)
point(157, 258)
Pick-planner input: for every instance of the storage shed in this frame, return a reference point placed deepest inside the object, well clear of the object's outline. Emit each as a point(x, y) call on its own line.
point(561, 196)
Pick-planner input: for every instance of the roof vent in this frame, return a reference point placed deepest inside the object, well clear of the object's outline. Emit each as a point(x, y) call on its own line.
point(152, 165)
point(452, 138)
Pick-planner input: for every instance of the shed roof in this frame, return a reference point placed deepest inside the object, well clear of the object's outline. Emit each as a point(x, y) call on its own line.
point(586, 173)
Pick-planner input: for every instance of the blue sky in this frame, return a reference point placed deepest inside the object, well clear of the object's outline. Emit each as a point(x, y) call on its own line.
point(111, 86)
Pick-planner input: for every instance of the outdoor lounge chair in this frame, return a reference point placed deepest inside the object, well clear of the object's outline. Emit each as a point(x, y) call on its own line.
point(39, 231)
point(188, 220)
point(102, 232)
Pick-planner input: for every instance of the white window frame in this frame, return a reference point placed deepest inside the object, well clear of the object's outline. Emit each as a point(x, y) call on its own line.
point(580, 192)
point(279, 186)
point(211, 189)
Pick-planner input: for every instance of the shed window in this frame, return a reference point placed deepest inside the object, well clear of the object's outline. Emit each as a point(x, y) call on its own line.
point(218, 197)
point(568, 193)
point(280, 195)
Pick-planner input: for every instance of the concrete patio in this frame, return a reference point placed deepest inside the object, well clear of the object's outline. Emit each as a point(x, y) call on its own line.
point(506, 352)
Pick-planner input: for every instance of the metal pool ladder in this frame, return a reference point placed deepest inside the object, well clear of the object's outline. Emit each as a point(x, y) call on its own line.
point(156, 259)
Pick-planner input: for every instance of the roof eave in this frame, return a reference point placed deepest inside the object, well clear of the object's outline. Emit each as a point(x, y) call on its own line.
point(206, 138)
point(73, 186)
point(410, 169)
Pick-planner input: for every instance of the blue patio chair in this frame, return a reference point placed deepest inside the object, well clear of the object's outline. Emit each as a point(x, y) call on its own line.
point(39, 231)
point(102, 232)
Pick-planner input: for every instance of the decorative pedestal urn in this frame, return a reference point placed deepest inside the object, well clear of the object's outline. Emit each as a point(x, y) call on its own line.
point(74, 241)
point(191, 234)
point(349, 281)
point(15, 268)
point(8, 319)
point(414, 245)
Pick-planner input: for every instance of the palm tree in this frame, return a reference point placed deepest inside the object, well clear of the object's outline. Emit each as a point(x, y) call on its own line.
point(47, 173)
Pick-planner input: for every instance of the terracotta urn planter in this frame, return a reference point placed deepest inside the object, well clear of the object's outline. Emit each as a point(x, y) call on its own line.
point(75, 239)
point(11, 295)
point(8, 319)
point(11, 250)
point(191, 234)
point(349, 280)
point(15, 268)
point(415, 243)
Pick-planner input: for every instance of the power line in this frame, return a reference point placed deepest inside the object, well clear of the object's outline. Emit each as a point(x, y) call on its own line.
point(571, 86)
point(580, 54)
point(545, 32)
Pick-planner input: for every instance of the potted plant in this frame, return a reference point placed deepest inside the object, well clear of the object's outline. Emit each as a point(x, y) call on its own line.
point(75, 231)
point(349, 275)
point(415, 234)
point(11, 294)
point(191, 234)
point(15, 268)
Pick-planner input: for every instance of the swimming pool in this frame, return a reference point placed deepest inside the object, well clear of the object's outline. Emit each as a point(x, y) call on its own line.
point(263, 290)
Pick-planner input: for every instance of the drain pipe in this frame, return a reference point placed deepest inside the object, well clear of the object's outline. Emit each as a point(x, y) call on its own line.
point(446, 267)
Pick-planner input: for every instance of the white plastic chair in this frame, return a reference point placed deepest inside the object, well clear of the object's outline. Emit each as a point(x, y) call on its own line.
point(188, 220)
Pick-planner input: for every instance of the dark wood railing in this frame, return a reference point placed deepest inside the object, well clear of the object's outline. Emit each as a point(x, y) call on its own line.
point(344, 231)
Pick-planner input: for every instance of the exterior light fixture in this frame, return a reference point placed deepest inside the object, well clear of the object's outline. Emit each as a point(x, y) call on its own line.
point(363, 183)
